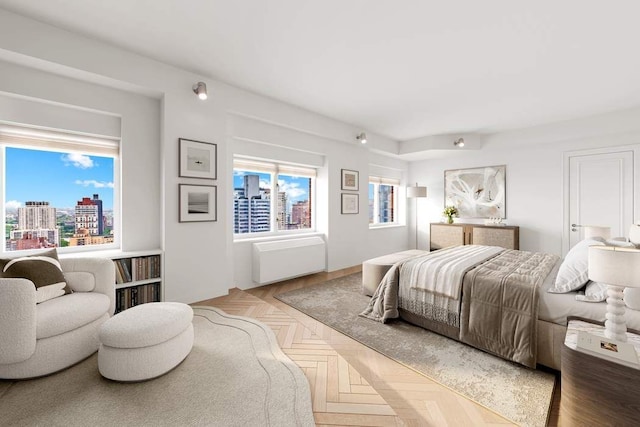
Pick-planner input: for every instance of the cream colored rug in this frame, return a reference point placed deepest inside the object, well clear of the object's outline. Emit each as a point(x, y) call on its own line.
point(517, 393)
point(236, 375)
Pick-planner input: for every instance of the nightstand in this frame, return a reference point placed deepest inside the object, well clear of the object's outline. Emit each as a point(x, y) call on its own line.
point(597, 391)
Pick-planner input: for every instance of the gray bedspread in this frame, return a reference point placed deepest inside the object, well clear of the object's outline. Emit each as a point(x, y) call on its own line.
point(495, 309)
point(500, 304)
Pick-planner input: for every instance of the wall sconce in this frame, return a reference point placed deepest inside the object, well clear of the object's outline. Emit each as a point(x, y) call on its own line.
point(362, 137)
point(200, 89)
point(459, 142)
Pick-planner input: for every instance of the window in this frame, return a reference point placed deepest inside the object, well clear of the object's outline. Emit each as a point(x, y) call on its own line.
point(59, 191)
point(257, 210)
point(383, 200)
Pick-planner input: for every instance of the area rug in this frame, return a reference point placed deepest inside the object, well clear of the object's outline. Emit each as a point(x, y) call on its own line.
point(517, 393)
point(236, 375)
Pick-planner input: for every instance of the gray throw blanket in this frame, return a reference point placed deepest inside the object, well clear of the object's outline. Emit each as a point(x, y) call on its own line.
point(497, 307)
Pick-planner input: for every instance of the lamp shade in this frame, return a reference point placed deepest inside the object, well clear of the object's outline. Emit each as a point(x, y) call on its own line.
point(591, 231)
point(634, 234)
point(615, 266)
point(414, 192)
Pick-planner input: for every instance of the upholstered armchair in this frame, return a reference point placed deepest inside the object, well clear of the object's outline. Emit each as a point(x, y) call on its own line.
point(39, 339)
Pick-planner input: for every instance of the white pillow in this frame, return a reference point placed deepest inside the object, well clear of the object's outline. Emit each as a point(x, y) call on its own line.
point(573, 272)
point(632, 298)
point(593, 292)
point(620, 242)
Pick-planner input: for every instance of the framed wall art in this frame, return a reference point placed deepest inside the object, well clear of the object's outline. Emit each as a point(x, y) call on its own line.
point(198, 203)
point(197, 159)
point(477, 192)
point(350, 203)
point(350, 180)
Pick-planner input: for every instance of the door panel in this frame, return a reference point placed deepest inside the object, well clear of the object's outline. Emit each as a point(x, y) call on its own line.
point(600, 193)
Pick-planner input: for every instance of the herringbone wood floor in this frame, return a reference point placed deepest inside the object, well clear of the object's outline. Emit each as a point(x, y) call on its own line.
point(351, 384)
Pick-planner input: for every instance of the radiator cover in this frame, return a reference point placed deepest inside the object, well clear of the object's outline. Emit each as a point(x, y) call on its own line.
point(283, 259)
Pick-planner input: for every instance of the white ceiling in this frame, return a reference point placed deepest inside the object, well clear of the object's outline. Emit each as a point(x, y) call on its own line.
point(403, 69)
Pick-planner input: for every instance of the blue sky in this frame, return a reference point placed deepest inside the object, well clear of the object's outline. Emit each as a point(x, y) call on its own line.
point(62, 179)
point(296, 188)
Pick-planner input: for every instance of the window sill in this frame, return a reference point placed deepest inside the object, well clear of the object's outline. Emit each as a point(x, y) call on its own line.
point(272, 237)
point(110, 253)
point(383, 226)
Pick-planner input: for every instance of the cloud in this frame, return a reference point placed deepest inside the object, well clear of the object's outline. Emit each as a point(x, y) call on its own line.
point(292, 189)
point(264, 184)
point(93, 183)
point(78, 160)
point(12, 204)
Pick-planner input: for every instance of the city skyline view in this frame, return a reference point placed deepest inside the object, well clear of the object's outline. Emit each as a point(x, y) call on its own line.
point(254, 196)
point(62, 179)
point(294, 187)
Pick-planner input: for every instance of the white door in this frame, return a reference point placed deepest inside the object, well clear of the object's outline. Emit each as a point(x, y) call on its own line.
point(600, 193)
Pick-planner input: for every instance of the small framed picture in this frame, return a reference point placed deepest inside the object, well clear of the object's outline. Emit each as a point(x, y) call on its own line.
point(350, 203)
point(350, 180)
point(198, 203)
point(198, 159)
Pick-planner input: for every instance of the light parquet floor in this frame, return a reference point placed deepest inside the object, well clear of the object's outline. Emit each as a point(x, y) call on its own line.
point(351, 384)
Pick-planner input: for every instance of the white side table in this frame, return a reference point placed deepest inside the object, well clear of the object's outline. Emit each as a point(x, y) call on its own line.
point(597, 391)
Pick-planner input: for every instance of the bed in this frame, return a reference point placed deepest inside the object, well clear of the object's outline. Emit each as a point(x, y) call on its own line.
point(513, 304)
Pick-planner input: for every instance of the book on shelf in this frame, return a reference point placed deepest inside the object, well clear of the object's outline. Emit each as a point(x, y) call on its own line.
point(135, 295)
point(616, 351)
point(143, 268)
point(123, 269)
point(119, 278)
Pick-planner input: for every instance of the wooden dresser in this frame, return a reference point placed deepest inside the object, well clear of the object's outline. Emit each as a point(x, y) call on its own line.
point(445, 235)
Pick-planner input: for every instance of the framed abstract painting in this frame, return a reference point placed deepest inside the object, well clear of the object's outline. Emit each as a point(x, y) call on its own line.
point(477, 192)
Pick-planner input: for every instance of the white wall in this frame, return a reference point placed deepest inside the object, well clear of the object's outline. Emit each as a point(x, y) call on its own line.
point(534, 159)
point(201, 261)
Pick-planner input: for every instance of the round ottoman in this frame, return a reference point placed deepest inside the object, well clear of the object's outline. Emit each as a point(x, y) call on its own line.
point(145, 341)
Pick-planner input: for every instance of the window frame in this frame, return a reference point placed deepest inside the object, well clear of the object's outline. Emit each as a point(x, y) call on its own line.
point(61, 142)
point(376, 181)
point(274, 169)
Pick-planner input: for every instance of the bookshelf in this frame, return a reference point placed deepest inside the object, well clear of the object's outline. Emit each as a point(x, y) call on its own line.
point(138, 278)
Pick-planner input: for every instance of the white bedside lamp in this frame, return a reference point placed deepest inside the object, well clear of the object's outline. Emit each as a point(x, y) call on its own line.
point(618, 268)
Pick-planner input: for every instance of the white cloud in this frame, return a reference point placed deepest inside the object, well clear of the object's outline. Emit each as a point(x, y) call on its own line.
point(292, 189)
point(12, 204)
point(78, 160)
point(94, 183)
point(264, 184)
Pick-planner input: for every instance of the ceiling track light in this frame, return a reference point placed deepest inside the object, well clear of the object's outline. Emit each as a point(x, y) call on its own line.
point(362, 137)
point(459, 142)
point(200, 89)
